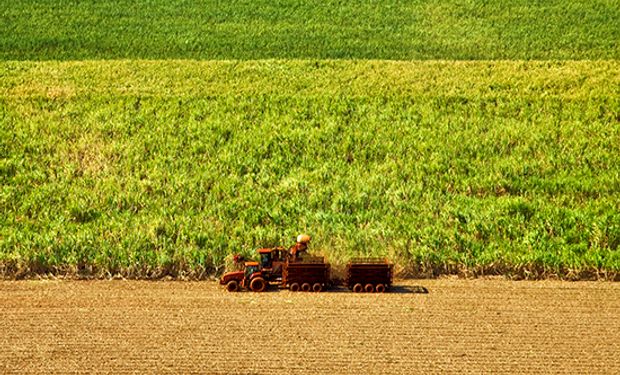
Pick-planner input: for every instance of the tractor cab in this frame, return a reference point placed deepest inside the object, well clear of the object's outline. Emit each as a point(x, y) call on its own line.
point(271, 261)
point(250, 269)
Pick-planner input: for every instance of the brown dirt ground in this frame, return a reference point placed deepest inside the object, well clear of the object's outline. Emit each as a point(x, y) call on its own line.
point(464, 326)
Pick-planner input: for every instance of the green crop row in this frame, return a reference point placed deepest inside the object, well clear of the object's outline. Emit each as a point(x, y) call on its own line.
point(148, 169)
point(309, 29)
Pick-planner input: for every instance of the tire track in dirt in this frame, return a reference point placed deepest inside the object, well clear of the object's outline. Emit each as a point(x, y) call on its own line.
point(464, 326)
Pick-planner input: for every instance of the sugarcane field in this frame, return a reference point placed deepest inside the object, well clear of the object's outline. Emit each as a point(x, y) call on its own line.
point(309, 187)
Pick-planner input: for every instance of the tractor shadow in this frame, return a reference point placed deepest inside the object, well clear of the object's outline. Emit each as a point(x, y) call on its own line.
point(403, 289)
point(395, 289)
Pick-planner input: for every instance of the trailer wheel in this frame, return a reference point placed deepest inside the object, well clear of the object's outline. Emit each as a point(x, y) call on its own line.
point(232, 286)
point(369, 288)
point(258, 285)
point(380, 288)
point(306, 287)
point(294, 287)
point(317, 287)
point(358, 288)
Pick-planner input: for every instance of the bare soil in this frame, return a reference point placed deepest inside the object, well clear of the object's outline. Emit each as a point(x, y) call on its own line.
point(460, 326)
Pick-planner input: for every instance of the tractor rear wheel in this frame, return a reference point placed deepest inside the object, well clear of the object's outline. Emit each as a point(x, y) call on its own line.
point(369, 288)
point(294, 287)
point(358, 288)
point(258, 285)
point(306, 287)
point(380, 288)
point(317, 287)
point(232, 286)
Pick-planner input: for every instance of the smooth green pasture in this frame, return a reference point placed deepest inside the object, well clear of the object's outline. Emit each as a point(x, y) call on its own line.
point(153, 168)
point(309, 29)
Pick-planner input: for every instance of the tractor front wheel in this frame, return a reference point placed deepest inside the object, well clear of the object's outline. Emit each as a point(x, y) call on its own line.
point(232, 286)
point(258, 285)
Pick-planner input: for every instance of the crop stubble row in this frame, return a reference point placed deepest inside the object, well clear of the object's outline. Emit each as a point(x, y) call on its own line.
point(460, 326)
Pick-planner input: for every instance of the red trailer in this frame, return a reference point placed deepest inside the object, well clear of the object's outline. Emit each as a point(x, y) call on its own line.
point(307, 274)
point(369, 275)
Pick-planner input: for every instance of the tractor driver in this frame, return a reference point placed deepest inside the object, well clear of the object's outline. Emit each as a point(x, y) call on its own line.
point(300, 247)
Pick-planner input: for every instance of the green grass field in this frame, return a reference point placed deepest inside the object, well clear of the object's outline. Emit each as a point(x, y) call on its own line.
point(309, 29)
point(152, 168)
point(154, 138)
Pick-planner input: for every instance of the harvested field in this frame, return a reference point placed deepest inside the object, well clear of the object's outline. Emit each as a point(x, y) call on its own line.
point(464, 326)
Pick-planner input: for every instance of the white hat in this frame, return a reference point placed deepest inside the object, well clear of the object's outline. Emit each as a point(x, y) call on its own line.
point(303, 238)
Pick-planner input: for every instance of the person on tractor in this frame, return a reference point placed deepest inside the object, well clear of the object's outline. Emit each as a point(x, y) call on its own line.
point(296, 251)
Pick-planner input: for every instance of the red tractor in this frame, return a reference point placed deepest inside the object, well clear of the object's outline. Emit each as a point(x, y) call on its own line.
point(257, 275)
point(250, 278)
